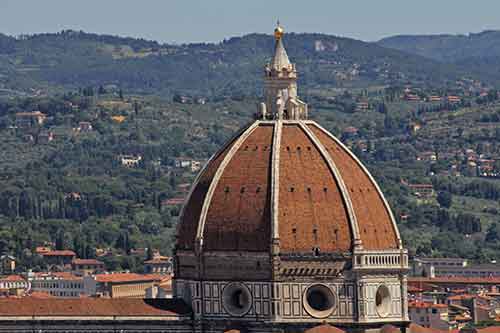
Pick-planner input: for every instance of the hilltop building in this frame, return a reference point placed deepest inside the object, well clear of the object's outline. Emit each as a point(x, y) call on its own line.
point(30, 119)
point(284, 230)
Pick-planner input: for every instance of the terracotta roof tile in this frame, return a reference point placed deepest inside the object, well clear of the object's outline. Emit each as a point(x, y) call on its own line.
point(325, 328)
point(12, 278)
point(127, 277)
point(239, 214)
point(67, 253)
point(186, 232)
point(374, 222)
point(78, 261)
point(311, 209)
point(96, 307)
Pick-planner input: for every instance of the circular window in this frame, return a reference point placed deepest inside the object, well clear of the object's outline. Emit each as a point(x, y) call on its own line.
point(383, 301)
point(319, 301)
point(236, 299)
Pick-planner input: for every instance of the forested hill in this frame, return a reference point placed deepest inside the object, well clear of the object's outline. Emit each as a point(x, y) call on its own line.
point(478, 52)
point(446, 48)
point(232, 67)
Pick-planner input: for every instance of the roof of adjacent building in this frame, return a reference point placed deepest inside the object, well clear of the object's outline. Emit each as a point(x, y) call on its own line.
point(57, 276)
point(426, 305)
point(127, 277)
point(454, 280)
point(95, 262)
point(158, 261)
point(91, 307)
point(325, 197)
point(12, 278)
point(324, 328)
point(31, 114)
point(61, 253)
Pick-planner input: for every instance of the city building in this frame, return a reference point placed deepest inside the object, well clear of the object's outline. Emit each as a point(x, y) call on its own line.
point(453, 267)
point(284, 230)
point(158, 266)
point(30, 119)
point(187, 163)
point(130, 161)
point(60, 284)
point(87, 266)
point(430, 315)
point(123, 285)
point(14, 285)
point(84, 126)
point(59, 257)
point(428, 266)
point(7, 264)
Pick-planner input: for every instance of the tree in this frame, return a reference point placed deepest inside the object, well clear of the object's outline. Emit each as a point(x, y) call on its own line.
point(60, 240)
point(444, 199)
point(149, 254)
point(136, 108)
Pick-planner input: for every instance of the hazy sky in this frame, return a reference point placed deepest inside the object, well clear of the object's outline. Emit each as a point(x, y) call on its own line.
point(214, 20)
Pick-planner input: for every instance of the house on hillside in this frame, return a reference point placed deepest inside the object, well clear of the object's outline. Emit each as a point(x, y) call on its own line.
point(158, 265)
point(130, 161)
point(45, 137)
point(7, 264)
point(87, 266)
point(59, 257)
point(84, 126)
point(172, 203)
point(30, 119)
point(187, 163)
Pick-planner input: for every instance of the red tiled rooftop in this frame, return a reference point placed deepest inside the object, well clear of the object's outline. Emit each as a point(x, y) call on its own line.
point(127, 277)
point(451, 280)
point(173, 202)
point(157, 261)
point(68, 253)
point(12, 278)
point(58, 275)
point(325, 328)
point(78, 261)
point(422, 305)
point(91, 307)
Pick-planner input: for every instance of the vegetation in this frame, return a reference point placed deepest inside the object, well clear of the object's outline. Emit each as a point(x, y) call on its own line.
point(164, 102)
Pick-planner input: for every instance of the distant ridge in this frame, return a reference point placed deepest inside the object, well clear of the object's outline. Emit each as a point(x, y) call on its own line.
point(72, 59)
point(447, 47)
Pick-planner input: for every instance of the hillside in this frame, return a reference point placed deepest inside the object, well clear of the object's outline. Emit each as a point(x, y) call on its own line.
point(479, 53)
point(447, 48)
point(72, 59)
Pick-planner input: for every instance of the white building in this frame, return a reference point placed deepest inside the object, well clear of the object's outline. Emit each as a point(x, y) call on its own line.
point(59, 284)
point(130, 161)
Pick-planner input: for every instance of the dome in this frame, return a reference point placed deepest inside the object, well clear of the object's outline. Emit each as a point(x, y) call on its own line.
point(290, 183)
point(284, 225)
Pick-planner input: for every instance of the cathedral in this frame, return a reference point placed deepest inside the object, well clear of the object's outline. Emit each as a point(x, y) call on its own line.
point(284, 230)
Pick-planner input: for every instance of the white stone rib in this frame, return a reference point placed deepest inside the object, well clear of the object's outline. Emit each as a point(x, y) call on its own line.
point(379, 191)
point(275, 176)
point(215, 181)
point(202, 171)
point(338, 179)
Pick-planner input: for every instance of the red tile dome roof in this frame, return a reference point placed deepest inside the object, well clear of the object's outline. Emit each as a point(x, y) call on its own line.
point(288, 181)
